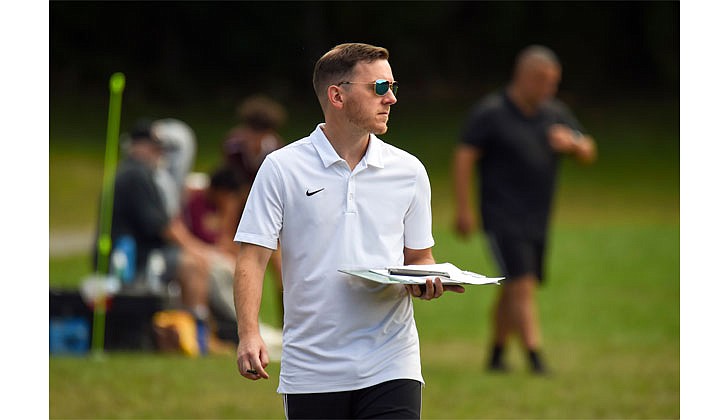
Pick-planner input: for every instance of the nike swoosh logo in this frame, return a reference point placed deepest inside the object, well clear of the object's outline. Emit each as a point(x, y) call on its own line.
point(310, 193)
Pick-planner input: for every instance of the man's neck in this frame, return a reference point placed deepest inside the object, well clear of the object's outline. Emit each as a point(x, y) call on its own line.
point(349, 145)
point(526, 107)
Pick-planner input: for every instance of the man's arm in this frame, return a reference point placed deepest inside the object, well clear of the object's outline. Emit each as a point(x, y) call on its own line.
point(177, 233)
point(247, 290)
point(462, 171)
point(564, 139)
point(430, 290)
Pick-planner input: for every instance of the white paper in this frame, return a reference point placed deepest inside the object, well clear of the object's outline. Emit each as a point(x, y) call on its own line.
point(454, 275)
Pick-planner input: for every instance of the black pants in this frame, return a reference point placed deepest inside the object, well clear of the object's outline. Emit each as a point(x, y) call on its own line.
point(397, 399)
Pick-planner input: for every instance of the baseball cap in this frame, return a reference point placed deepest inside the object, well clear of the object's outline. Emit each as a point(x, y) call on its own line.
point(142, 131)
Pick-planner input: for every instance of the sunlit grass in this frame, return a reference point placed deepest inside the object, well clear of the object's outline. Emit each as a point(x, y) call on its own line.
point(609, 307)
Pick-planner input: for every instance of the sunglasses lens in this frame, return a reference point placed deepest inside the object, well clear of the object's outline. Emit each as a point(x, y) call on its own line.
point(395, 86)
point(381, 87)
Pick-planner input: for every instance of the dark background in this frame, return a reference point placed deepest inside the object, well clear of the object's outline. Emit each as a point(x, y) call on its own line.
point(182, 52)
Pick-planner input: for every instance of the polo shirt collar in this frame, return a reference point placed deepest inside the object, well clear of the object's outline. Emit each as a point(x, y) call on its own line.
point(373, 156)
point(328, 155)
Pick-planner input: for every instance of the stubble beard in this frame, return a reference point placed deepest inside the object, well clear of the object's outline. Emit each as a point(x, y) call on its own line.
point(357, 118)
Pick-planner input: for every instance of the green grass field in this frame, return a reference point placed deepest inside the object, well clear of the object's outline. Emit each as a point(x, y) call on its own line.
point(610, 307)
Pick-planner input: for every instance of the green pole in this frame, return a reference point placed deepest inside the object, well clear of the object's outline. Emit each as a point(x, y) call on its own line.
point(116, 87)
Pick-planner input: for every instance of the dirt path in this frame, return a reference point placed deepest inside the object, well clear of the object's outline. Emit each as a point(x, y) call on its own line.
point(64, 243)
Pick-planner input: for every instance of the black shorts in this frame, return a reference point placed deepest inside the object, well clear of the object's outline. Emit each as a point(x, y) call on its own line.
point(397, 399)
point(517, 256)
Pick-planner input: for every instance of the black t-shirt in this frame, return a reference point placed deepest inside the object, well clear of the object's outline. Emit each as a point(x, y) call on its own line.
point(518, 168)
point(138, 208)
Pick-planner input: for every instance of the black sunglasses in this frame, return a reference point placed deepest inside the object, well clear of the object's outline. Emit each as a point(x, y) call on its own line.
point(381, 86)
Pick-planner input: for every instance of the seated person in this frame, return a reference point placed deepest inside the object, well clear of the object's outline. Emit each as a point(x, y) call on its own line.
point(245, 147)
point(180, 147)
point(139, 212)
point(207, 209)
point(205, 212)
point(256, 135)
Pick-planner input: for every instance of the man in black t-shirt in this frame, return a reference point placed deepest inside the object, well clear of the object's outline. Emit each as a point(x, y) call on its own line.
point(517, 137)
point(140, 214)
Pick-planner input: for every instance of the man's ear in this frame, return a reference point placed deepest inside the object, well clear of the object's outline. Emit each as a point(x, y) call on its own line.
point(334, 96)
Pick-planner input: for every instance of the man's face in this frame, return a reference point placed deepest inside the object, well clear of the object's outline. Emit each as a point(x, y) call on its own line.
point(148, 151)
point(540, 82)
point(363, 107)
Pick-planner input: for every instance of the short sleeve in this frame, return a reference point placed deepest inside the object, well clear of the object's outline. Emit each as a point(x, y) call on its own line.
point(418, 218)
point(565, 116)
point(476, 130)
point(262, 217)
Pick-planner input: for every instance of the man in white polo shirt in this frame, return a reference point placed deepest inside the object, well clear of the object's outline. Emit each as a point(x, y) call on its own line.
point(340, 198)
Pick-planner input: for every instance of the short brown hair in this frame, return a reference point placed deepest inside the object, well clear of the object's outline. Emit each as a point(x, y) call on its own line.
point(338, 63)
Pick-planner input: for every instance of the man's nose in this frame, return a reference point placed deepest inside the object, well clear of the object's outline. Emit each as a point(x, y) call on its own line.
point(390, 98)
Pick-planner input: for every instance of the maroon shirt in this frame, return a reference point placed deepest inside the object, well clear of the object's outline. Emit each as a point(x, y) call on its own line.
point(202, 217)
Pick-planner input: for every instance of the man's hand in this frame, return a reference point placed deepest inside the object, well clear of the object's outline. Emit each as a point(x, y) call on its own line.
point(565, 140)
point(464, 222)
point(252, 357)
point(562, 138)
point(432, 290)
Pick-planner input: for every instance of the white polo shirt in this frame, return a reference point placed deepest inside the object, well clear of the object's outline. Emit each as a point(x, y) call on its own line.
point(340, 332)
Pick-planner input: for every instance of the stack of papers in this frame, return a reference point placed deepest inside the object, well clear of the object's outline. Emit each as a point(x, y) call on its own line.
point(418, 274)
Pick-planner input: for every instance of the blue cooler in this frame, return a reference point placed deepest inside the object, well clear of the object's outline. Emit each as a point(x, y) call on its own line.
point(69, 335)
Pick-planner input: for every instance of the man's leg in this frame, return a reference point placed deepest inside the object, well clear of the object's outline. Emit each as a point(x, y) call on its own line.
point(502, 327)
point(502, 318)
point(516, 310)
point(525, 315)
point(523, 309)
point(193, 277)
point(526, 311)
point(193, 274)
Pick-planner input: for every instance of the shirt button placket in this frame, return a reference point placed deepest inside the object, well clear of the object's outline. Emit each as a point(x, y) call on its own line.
point(350, 196)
